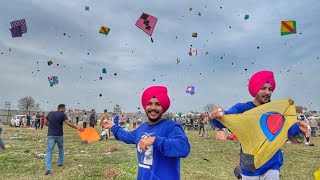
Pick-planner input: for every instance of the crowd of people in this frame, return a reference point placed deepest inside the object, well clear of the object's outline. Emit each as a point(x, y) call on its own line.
point(35, 121)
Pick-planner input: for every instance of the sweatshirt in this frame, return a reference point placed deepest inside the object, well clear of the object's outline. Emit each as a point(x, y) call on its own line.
point(162, 159)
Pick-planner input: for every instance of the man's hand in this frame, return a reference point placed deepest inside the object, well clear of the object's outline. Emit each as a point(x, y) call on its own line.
point(81, 129)
point(143, 143)
point(304, 127)
point(107, 124)
point(217, 112)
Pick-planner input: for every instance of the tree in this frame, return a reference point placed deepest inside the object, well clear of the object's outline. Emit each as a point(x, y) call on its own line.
point(117, 109)
point(209, 108)
point(28, 104)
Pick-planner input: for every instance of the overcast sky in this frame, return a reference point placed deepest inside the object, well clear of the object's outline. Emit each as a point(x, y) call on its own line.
point(237, 48)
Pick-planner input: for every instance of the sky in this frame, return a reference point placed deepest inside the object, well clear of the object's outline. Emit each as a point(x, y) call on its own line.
point(67, 34)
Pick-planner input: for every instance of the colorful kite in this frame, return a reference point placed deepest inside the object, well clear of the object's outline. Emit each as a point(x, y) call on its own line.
point(53, 80)
point(288, 27)
point(88, 135)
point(269, 125)
point(18, 28)
point(193, 51)
point(190, 90)
point(104, 30)
point(147, 23)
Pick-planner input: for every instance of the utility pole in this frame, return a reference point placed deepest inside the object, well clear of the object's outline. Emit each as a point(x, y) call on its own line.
point(7, 106)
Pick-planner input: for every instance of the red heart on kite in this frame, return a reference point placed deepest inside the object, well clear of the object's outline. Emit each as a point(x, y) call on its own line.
point(274, 123)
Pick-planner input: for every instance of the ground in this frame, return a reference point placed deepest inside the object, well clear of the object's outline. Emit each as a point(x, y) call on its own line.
point(209, 159)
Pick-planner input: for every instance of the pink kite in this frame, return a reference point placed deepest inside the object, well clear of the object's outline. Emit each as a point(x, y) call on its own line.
point(147, 23)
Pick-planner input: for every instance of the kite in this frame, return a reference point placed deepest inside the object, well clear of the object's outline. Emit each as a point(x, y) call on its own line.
point(88, 135)
point(190, 90)
point(317, 175)
point(269, 125)
point(288, 27)
point(18, 28)
point(193, 51)
point(16, 31)
point(147, 23)
point(86, 8)
point(104, 70)
point(246, 17)
point(53, 80)
point(194, 34)
point(49, 63)
point(104, 30)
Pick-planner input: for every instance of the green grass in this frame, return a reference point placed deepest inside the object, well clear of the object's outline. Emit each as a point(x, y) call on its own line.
point(18, 163)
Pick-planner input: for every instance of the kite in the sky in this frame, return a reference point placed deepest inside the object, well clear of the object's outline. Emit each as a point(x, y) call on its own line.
point(190, 90)
point(193, 51)
point(104, 71)
point(288, 27)
point(88, 135)
point(246, 17)
point(86, 8)
point(53, 80)
point(147, 23)
point(18, 28)
point(194, 34)
point(269, 125)
point(50, 62)
point(104, 30)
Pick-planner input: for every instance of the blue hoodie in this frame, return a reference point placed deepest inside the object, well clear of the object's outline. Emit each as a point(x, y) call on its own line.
point(162, 159)
point(277, 160)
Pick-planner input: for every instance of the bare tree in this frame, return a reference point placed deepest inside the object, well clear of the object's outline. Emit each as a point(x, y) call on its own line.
point(28, 104)
point(117, 109)
point(209, 108)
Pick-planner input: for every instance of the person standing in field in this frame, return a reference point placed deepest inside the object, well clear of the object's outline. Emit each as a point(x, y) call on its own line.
point(54, 121)
point(160, 142)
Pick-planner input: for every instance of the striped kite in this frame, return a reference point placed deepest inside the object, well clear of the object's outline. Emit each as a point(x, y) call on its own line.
point(288, 27)
point(104, 30)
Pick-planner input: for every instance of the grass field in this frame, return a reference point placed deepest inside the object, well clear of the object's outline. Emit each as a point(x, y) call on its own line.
point(209, 159)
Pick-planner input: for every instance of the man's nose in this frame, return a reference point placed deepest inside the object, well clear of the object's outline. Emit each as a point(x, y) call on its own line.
point(268, 91)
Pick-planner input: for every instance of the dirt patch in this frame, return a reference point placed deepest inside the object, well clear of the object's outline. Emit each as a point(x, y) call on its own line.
point(111, 173)
point(111, 149)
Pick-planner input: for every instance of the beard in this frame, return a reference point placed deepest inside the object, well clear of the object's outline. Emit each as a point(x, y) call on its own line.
point(263, 99)
point(154, 118)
